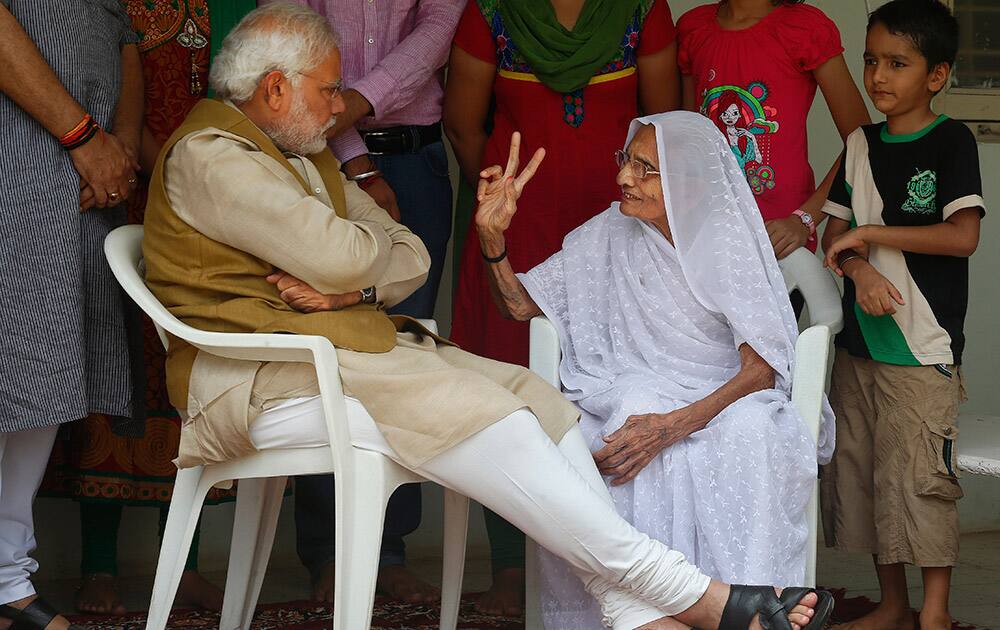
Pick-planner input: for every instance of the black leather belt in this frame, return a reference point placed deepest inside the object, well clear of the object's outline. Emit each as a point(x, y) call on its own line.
point(396, 140)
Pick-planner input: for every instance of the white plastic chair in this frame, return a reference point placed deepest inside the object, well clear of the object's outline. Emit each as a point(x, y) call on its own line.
point(802, 271)
point(805, 271)
point(364, 480)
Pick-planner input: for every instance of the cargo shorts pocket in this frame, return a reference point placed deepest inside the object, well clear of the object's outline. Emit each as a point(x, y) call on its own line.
point(937, 462)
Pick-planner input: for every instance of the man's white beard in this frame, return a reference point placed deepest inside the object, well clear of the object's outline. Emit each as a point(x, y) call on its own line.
point(298, 132)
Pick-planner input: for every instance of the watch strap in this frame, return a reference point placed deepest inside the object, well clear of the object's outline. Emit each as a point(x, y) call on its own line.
point(807, 220)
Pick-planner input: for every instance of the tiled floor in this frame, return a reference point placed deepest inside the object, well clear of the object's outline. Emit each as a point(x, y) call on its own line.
point(975, 591)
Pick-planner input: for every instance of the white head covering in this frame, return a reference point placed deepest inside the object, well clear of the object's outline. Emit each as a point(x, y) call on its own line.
point(719, 236)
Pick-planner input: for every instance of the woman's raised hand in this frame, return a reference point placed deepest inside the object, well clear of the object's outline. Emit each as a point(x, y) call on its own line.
point(499, 189)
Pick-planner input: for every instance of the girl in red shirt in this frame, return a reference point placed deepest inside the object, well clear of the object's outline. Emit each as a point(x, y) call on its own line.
point(753, 66)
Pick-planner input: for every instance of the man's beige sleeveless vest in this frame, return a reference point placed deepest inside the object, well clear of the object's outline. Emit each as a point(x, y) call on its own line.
point(212, 286)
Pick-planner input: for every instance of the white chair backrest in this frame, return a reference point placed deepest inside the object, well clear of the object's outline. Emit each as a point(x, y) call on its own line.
point(123, 249)
point(804, 271)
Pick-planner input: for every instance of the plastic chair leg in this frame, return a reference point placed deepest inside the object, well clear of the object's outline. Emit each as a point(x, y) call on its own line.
point(532, 594)
point(361, 501)
point(258, 503)
point(182, 519)
point(812, 522)
point(456, 528)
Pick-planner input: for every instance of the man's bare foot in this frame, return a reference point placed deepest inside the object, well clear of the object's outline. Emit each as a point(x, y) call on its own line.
point(397, 582)
point(58, 622)
point(800, 615)
point(196, 592)
point(935, 620)
point(884, 617)
point(98, 594)
point(322, 587)
point(506, 596)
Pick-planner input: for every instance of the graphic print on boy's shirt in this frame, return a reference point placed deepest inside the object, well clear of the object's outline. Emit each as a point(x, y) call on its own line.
point(909, 180)
point(748, 125)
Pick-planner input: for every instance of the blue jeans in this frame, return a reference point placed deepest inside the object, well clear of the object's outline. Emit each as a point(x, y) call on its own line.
point(423, 192)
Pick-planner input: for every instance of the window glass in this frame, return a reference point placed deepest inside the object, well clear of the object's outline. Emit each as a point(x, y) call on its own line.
point(978, 61)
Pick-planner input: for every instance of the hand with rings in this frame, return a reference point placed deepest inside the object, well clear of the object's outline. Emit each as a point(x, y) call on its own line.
point(88, 199)
point(107, 171)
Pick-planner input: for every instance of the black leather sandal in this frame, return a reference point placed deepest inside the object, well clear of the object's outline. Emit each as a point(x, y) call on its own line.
point(746, 601)
point(34, 616)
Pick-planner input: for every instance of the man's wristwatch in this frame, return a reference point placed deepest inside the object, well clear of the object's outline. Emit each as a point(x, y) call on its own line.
point(368, 296)
point(807, 220)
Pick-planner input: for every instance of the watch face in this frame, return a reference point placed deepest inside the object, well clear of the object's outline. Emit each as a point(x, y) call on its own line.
point(806, 218)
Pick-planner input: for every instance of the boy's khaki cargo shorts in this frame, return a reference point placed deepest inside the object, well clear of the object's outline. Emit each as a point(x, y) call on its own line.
point(893, 482)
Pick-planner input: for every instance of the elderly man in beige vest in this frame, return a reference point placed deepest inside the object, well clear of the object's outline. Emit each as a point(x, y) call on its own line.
point(251, 227)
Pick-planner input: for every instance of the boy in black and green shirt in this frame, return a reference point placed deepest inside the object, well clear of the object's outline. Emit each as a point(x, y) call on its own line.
point(904, 214)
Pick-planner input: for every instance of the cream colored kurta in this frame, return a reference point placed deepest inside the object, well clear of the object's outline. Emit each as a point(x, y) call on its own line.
point(425, 397)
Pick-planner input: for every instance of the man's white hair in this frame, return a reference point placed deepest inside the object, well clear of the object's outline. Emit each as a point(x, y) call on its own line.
point(286, 37)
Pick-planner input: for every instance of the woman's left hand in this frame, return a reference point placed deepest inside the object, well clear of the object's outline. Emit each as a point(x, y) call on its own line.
point(640, 439)
point(787, 235)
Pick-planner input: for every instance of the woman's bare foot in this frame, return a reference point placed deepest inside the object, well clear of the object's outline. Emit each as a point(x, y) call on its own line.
point(58, 622)
point(506, 596)
point(935, 620)
point(883, 618)
point(196, 592)
point(322, 587)
point(98, 595)
point(397, 582)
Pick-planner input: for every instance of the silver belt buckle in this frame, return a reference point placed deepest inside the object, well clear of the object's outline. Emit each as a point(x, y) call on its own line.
point(377, 133)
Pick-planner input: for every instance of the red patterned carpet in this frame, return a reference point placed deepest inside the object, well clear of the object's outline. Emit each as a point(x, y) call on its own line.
point(304, 615)
point(390, 615)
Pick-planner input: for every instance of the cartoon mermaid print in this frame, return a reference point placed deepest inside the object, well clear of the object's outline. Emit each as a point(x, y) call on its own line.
point(747, 124)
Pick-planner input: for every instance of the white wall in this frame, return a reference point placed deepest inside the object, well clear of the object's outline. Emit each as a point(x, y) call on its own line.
point(980, 509)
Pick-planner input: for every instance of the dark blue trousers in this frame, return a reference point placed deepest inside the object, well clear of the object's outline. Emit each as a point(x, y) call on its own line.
point(423, 191)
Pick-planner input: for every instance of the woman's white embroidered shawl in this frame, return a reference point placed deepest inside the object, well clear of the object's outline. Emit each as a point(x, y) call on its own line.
point(646, 326)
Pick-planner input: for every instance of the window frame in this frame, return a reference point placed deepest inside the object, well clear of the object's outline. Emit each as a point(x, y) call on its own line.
point(972, 105)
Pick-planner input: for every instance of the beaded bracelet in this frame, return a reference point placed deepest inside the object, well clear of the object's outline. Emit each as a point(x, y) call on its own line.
point(81, 134)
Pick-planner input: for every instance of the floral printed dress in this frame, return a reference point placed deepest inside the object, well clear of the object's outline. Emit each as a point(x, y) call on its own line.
point(580, 132)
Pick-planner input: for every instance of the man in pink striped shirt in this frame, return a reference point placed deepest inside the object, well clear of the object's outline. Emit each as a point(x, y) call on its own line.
point(393, 54)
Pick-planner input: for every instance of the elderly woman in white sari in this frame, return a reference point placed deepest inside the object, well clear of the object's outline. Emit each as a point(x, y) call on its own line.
point(677, 342)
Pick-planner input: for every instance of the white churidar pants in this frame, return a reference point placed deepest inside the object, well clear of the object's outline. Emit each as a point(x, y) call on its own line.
point(23, 457)
point(554, 494)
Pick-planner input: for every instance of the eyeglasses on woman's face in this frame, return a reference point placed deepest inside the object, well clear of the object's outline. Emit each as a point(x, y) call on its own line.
point(638, 168)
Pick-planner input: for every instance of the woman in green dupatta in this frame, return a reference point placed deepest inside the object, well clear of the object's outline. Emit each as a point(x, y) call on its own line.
point(104, 471)
point(569, 75)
